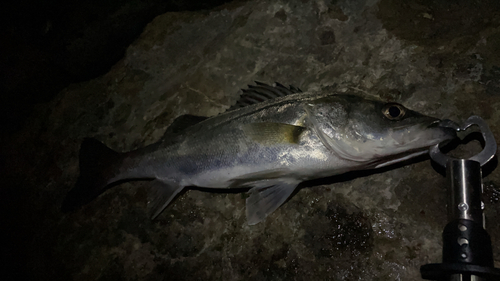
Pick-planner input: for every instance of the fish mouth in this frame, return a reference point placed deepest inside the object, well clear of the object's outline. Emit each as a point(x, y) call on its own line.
point(442, 131)
point(445, 123)
point(447, 127)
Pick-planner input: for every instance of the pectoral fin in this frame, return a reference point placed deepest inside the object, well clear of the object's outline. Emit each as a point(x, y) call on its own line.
point(266, 196)
point(269, 133)
point(160, 195)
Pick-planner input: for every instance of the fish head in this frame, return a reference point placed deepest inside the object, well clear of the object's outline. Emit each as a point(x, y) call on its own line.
point(372, 132)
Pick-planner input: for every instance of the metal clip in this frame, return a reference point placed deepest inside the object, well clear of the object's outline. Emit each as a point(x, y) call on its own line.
point(483, 157)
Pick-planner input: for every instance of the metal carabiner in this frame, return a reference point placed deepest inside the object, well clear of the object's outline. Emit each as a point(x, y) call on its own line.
point(483, 157)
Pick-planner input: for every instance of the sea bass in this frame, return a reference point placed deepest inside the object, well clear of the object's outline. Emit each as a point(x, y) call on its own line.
point(278, 138)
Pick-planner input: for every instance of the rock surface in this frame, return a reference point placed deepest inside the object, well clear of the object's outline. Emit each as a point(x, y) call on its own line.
point(437, 58)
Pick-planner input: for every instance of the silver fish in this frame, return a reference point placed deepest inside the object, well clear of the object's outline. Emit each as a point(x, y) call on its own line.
point(279, 138)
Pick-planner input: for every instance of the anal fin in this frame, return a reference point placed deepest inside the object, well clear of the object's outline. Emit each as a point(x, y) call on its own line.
point(160, 195)
point(266, 196)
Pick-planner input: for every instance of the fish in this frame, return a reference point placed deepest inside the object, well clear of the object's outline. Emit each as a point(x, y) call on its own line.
point(272, 139)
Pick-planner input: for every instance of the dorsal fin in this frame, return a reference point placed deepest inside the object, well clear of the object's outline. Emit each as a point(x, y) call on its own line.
point(254, 94)
point(263, 92)
point(182, 122)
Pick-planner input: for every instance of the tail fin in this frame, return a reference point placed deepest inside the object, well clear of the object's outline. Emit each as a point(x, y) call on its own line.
point(98, 164)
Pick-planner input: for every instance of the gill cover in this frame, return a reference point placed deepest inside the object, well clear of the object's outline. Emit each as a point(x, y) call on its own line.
point(329, 117)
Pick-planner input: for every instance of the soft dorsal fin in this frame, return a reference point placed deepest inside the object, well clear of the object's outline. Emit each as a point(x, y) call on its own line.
point(262, 92)
point(182, 122)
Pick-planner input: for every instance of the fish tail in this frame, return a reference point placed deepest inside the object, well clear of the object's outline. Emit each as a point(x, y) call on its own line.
point(98, 166)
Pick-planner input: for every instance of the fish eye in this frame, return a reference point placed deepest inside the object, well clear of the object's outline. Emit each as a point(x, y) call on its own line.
point(394, 111)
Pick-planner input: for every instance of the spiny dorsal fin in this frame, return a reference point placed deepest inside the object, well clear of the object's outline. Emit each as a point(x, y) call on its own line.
point(262, 92)
point(252, 95)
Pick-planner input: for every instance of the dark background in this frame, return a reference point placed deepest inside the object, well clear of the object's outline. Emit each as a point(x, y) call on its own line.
point(46, 45)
